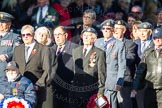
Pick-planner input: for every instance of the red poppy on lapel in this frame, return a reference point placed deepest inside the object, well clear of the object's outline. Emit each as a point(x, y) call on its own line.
point(17, 84)
point(33, 51)
point(92, 59)
point(110, 45)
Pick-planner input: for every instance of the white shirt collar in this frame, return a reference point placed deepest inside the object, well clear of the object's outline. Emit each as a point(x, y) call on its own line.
point(88, 49)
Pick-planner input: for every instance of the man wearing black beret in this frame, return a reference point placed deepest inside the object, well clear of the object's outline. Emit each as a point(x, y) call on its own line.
point(8, 40)
point(150, 71)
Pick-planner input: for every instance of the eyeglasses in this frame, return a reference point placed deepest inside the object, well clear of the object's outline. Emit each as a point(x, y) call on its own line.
point(137, 12)
point(88, 17)
point(28, 34)
point(11, 70)
point(59, 34)
point(106, 28)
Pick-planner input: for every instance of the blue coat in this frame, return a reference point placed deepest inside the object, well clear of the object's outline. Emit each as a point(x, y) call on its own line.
point(116, 64)
point(101, 44)
point(24, 86)
point(7, 45)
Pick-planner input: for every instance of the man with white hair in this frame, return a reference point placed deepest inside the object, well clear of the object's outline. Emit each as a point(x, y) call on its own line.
point(89, 69)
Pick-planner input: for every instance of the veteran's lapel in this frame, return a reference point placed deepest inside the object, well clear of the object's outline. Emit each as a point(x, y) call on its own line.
point(86, 59)
point(34, 51)
point(22, 53)
point(110, 47)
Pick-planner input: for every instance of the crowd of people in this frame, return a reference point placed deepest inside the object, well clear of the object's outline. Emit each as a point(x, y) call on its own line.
point(81, 53)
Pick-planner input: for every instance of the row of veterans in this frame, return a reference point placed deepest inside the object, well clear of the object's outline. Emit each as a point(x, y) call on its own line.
point(73, 76)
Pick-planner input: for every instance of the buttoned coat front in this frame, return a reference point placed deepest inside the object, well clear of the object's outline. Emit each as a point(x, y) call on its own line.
point(116, 64)
point(37, 68)
point(89, 75)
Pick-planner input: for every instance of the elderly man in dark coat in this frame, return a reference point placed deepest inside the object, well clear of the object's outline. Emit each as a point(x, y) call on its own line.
point(89, 70)
point(34, 62)
point(64, 73)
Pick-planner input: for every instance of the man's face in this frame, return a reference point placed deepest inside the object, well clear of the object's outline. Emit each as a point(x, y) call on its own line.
point(89, 38)
point(42, 3)
point(4, 26)
point(157, 41)
point(65, 3)
point(11, 74)
point(119, 31)
point(60, 36)
point(107, 31)
point(27, 36)
point(138, 11)
point(159, 17)
point(143, 34)
point(88, 20)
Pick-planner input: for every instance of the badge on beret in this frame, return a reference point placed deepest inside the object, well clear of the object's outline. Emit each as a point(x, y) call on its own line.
point(9, 64)
point(156, 31)
point(1, 15)
point(108, 23)
point(119, 22)
point(145, 26)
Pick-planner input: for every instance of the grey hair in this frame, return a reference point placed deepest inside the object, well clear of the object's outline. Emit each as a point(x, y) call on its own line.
point(90, 11)
point(137, 6)
point(41, 29)
point(27, 27)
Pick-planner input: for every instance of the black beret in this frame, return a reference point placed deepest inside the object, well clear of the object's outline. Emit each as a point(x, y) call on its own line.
point(120, 22)
point(144, 25)
point(5, 17)
point(90, 29)
point(157, 32)
point(159, 10)
point(108, 22)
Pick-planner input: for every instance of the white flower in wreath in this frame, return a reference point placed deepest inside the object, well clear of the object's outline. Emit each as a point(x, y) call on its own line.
point(17, 100)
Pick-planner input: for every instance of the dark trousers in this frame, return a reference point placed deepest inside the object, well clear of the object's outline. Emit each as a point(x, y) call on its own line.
point(45, 97)
point(152, 98)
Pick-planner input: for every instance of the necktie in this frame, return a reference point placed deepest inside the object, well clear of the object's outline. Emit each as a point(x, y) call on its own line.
point(41, 14)
point(85, 51)
point(59, 51)
point(157, 52)
point(26, 53)
point(105, 44)
point(143, 47)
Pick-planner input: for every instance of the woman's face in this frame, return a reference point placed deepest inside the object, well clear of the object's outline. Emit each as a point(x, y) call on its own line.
point(135, 32)
point(41, 36)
